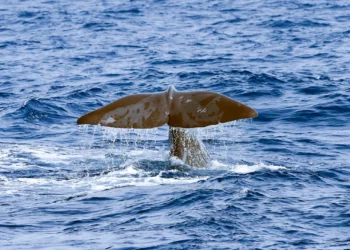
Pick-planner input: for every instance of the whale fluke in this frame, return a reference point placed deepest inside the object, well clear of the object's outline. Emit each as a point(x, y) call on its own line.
point(175, 108)
point(178, 109)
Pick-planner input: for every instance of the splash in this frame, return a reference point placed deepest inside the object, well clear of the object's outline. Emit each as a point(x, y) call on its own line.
point(113, 158)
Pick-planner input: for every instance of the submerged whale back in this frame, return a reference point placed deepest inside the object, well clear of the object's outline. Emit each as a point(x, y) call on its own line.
point(175, 108)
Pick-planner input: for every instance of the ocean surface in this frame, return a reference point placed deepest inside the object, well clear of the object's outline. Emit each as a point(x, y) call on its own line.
point(279, 181)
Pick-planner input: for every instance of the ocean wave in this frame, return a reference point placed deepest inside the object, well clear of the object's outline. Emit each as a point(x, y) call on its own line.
point(37, 110)
point(99, 26)
point(123, 11)
point(290, 24)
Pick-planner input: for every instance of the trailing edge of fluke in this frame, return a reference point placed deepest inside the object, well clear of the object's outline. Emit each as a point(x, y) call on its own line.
point(175, 108)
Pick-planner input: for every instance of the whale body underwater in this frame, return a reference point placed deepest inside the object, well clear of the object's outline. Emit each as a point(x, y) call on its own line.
point(180, 110)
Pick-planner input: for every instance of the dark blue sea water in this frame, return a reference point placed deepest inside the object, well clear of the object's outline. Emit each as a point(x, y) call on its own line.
point(280, 181)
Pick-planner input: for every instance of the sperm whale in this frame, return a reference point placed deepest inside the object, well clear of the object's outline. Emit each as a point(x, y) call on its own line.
point(180, 110)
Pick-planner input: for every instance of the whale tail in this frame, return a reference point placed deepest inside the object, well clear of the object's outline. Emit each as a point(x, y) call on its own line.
point(175, 108)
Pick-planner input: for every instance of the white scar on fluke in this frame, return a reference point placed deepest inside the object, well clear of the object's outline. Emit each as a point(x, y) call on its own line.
point(178, 109)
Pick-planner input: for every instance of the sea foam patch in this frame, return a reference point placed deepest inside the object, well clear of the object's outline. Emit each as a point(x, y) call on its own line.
point(244, 168)
point(24, 156)
point(129, 176)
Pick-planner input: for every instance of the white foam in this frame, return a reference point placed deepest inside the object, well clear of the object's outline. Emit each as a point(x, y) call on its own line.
point(130, 170)
point(134, 145)
point(9, 159)
point(244, 168)
point(34, 181)
point(56, 155)
point(217, 164)
point(244, 191)
point(12, 157)
point(145, 154)
point(128, 176)
point(3, 154)
point(176, 161)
